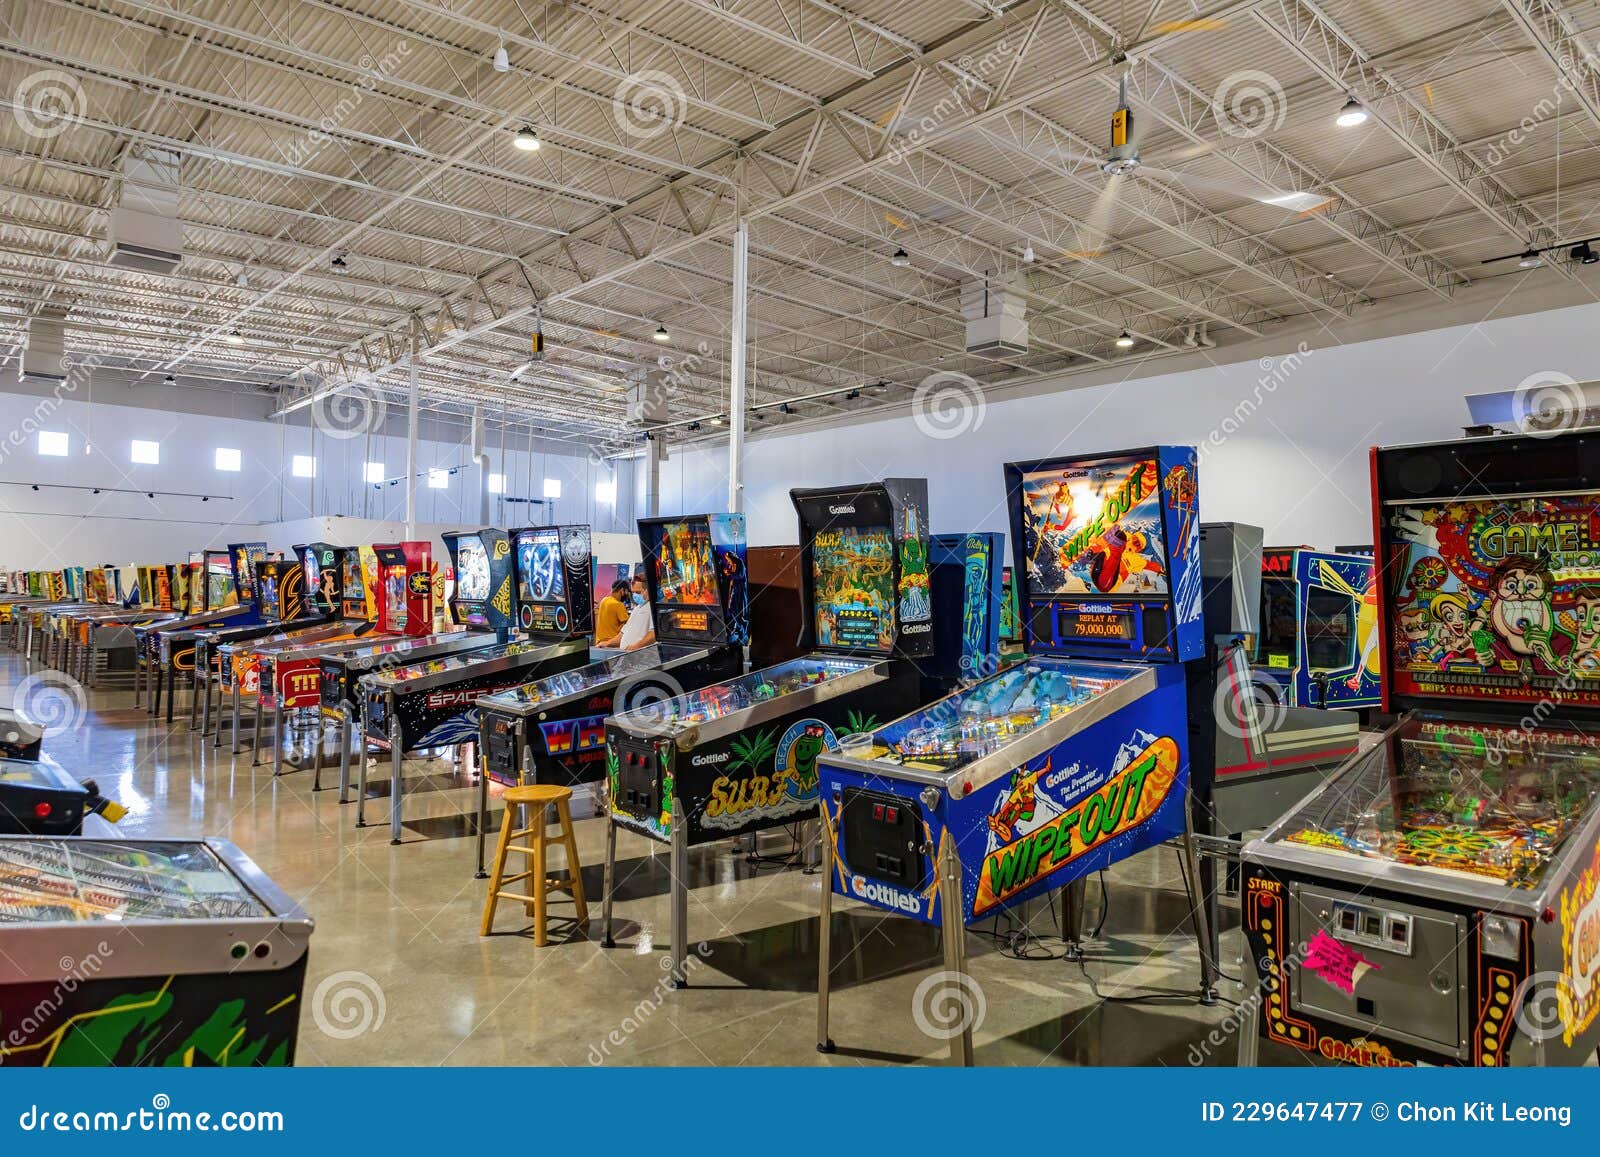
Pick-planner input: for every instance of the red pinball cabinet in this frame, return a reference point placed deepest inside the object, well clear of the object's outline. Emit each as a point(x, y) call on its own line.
point(1437, 900)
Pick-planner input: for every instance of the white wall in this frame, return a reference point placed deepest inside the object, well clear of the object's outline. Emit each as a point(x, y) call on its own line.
point(64, 522)
point(1284, 444)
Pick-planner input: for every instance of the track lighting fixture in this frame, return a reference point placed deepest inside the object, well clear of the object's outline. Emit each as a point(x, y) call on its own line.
point(1530, 259)
point(661, 334)
point(785, 408)
point(527, 140)
point(852, 395)
point(900, 259)
point(339, 262)
point(169, 380)
point(1352, 114)
point(693, 427)
point(1125, 340)
point(717, 421)
point(1583, 254)
point(235, 337)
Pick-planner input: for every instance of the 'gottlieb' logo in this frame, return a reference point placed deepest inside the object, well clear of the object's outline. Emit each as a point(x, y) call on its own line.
point(717, 757)
point(917, 629)
point(883, 894)
point(847, 509)
point(1096, 609)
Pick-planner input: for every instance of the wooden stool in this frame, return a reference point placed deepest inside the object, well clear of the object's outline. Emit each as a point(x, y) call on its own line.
point(536, 798)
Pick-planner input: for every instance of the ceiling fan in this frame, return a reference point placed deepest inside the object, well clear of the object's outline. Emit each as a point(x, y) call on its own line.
point(1122, 162)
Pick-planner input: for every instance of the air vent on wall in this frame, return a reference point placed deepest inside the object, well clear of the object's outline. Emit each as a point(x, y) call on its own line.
point(997, 323)
point(44, 359)
point(146, 232)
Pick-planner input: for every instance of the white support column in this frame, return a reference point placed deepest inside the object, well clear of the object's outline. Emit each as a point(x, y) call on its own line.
point(480, 459)
point(652, 478)
point(736, 360)
point(411, 433)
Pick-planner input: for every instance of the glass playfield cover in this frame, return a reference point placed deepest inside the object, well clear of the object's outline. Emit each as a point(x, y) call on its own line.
point(1491, 802)
point(724, 699)
point(970, 724)
point(581, 679)
point(72, 881)
point(455, 662)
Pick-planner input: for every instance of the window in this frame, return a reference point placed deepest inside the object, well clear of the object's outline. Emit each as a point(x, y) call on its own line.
point(497, 484)
point(605, 491)
point(303, 466)
point(228, 459)
point(552, 488)
point(373, 472)
point(438, 479)
point(145, 453)
point(53, 443)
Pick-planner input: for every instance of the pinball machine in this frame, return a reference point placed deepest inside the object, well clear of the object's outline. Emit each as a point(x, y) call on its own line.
point(1437, 900)
point(166, 651)
point(434, 703)
point(397, 580)
point(741, 756)
point(552, 730)
point(179, 952)
point(283, 674)
point(277, 588)
point(1074, 758)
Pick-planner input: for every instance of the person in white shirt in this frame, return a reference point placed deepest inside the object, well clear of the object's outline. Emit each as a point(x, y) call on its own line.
point(640, 629)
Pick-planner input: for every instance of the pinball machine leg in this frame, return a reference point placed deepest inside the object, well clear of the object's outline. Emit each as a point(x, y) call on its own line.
point(1198, 910)
point(361, 785)
point(1250, 1020)
point(396, 800)
point(196, 685)
point(172, 694)
point(1073, 898)
point(277, 735)
point(152, 681)
point(255, 733)
point(138, 675)
point(483, 813)
point(319, 733)
point(608, 885)
point(345, 729)
point(678, 977)
point(233, 728)
point(955, 946)
point(824, 937)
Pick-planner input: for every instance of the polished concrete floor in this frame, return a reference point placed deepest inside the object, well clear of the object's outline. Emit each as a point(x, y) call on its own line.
point(399, 974)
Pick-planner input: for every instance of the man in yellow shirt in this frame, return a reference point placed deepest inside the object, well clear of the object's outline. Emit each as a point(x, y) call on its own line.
point(612, 616)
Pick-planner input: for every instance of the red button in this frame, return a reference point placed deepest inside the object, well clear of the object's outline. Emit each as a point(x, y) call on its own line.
point(877, 811)
point(893, 815)
point(42, 810)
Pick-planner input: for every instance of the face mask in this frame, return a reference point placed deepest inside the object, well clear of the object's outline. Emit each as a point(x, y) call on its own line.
point(638, 600)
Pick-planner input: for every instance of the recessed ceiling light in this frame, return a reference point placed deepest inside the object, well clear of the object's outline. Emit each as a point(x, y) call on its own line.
point(527, 140)
point(1124, 340)
point(1352, 114)
point(661, 334)
point(235, 337)
point(900, 259)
